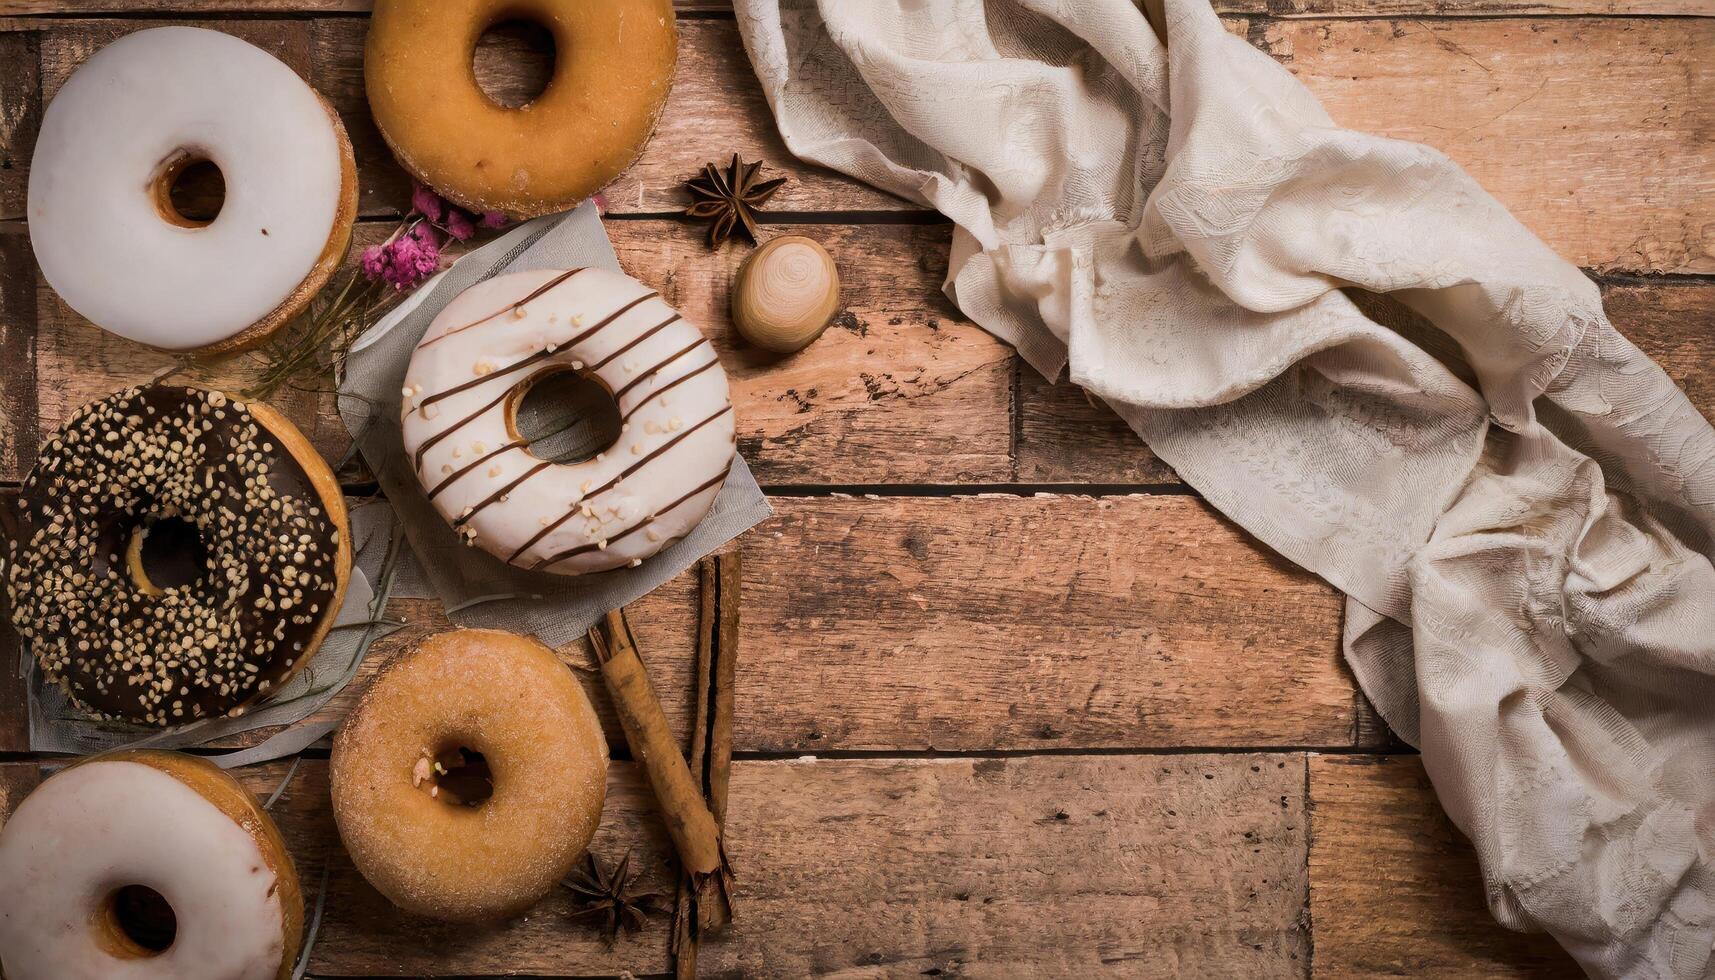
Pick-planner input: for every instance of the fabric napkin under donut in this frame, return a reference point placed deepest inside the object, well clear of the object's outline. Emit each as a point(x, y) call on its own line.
point(477, 588)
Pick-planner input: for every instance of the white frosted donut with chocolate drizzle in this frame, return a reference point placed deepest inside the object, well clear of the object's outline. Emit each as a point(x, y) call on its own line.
point(649, 488)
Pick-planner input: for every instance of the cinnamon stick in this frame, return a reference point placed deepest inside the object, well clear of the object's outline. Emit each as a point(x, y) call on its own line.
point(688, 820)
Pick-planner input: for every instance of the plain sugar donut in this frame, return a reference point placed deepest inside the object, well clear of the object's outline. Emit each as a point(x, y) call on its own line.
point(172, 823)
point(113, 139)
point(500, 696)
point(614, 67)
point(651, 487)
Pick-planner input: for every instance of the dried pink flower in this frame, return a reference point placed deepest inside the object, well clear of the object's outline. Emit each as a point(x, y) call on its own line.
point(406, 260)
point(494, 219)
point(427, 203)
point(458, 225)
point(373, 263)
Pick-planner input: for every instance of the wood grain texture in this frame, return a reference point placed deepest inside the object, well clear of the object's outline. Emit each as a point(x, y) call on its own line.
point(1065, 438)
point(1041, 867)
point(1031, 622)
point(998, 622)
point(1394, 887)
point(18, 412)
point(1592, 129)
point(1046, 866)
point(901, 390)
point(1594, 132)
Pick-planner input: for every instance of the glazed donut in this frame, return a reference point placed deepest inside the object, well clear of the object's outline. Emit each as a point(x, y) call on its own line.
point(423, 823)
point(497, 339)
point(146, 864)
point(180, 552)
point(117, 135)
point(615, 66)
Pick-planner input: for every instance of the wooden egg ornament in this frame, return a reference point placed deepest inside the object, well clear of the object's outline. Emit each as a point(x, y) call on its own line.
point(786, 294)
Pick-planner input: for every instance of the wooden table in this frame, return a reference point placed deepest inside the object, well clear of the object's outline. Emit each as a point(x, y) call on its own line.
point(1012, 699)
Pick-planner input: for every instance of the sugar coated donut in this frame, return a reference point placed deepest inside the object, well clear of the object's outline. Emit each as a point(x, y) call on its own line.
point(614, 67)
point(470, 777)
point(118, 134)
point(180, 552)
point(649, 488)
point(138, 865)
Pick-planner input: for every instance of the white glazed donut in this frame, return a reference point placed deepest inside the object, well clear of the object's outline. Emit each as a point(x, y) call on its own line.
point(163, 821)
point(117, 134)
point(651, 487)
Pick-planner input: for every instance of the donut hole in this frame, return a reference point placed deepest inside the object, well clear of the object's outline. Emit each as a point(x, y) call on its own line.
point(167, 553)
point(140, 922)
point(565, 416)
point(514, 61)
point(190, 190)
point(462, 776)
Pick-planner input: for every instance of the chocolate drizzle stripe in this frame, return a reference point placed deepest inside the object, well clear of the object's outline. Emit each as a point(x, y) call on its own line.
point(609, 485)
point(484, 379)
point(539, 293)
point(669, 386)
point(461, 423)
point(472, 511)
point(473, 464)
point(539, 355)
point(640, 338)
point(633, 529)
point(634, 382)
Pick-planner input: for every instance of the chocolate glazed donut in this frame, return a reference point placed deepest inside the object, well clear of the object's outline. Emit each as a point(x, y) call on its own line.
point(180, 553)
point(614, 67)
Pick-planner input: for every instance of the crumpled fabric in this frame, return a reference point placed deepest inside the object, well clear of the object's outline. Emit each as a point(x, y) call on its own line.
point(1357, 354)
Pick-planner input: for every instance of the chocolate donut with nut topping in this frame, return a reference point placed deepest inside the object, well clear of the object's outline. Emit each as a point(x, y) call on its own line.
point(180, 553)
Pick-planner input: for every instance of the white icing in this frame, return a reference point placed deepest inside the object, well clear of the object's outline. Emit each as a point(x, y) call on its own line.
point(99, 826)
point(678, 437)
point(140, 102)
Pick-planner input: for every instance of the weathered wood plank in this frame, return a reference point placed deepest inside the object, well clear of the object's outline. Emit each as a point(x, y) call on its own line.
point(1046, 866)
point(1010, 622)
point(1050, 866)
point(1064, 438)
point(363, 934)
point(1394, 887)
point(901, 390)
point(1594, 132)
point(20, 116)
point(1502, 89)
point(979, 623)
point(18, 351)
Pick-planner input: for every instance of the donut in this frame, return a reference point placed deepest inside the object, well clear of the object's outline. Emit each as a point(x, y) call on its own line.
point(146, 864)
point(614, 67)
point(118, 134)
point(180, 552)
point(499, 338)
point(470, 777)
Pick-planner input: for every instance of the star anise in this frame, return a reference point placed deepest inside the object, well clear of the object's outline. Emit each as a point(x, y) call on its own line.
point(607, 895)
point(730, 198)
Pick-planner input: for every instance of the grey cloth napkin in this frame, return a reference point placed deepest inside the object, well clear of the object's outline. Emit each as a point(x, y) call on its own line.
point(478, 589)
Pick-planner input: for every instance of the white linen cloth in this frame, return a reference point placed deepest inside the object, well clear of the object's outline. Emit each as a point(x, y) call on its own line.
point(1519, 505)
